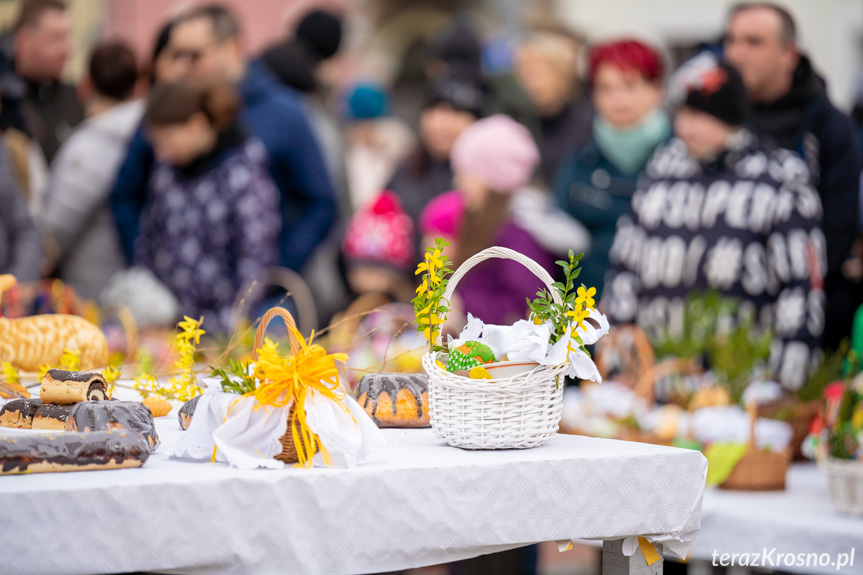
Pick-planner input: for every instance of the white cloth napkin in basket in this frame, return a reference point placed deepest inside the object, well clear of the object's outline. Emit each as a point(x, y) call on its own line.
point(247, 439)
point(526, 341)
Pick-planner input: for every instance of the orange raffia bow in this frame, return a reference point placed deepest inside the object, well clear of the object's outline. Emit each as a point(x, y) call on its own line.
point(291, 378)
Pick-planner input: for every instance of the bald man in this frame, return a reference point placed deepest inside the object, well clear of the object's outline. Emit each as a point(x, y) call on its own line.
point(789, 103)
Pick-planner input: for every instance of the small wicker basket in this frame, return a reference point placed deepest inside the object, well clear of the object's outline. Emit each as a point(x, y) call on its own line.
point(798, 414)
point(845, 477)
point(645, 388)
point(517, 412)
point(758, 470)
point(289, 451)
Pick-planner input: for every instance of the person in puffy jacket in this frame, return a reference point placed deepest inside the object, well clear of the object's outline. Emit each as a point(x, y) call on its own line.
point(718, 209)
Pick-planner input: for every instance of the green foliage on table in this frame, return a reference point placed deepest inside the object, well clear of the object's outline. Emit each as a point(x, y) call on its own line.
point(146, 363)
point(734, 356)
point(701, 321)
point(832, 368)
point(847, 432)
point(235, 377)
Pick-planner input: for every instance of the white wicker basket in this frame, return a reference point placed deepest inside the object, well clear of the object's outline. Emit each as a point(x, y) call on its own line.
point(512, 413)
point(846, 485)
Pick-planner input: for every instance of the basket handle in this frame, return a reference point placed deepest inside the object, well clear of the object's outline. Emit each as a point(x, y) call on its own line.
point(646, 384)
point(262, 330)
point(752, 412)
point(504, 254)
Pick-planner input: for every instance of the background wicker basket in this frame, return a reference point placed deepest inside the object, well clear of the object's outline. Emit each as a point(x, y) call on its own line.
point(644, 387)
point(845, 477)
point(289, 451)
point(519, 412)
point(798, 414)
point(758, 470)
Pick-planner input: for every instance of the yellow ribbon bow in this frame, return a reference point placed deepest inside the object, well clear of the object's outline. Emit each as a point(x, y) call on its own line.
point(291, 378)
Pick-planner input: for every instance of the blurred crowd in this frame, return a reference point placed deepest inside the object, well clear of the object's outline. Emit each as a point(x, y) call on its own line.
point(173, 187)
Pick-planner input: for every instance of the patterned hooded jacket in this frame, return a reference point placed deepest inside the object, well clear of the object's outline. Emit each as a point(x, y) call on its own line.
point(207, 235)
point(746, 225)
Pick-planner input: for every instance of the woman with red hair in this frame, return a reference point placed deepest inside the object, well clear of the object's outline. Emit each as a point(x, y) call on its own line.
point(595, 184)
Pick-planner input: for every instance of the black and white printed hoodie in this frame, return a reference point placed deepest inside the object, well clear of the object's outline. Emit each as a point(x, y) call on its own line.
point(747, 225)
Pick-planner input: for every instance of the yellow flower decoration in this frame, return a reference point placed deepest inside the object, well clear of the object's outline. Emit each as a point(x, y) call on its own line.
point(183, 386)
point(585, 297)
point(429, 306)
point(111, 375)
point(147, 384)
point(10, 373)
point(578, 316)
point(191, 329)
point(290, 379)
point(70, 360)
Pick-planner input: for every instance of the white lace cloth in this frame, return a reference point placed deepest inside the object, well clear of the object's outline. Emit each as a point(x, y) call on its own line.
point(247, 438)
point(413, 503)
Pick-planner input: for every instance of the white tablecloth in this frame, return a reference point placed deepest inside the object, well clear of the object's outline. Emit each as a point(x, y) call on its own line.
point(799, 520)
point(418, 502)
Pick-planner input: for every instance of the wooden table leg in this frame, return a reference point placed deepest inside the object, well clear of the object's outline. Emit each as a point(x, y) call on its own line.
point(614, 562)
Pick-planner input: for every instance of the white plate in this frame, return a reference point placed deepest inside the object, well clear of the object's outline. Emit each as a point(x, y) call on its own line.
point(504, 369)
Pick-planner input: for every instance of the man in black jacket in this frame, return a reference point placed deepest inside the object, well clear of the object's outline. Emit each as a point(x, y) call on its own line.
point(789, 103)
point(41, 48)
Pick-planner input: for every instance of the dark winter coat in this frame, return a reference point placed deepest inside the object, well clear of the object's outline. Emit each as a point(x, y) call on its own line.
point(275, 115)
point(561, 134)
point(806, 122)
point(595, 192)
point(20, 248)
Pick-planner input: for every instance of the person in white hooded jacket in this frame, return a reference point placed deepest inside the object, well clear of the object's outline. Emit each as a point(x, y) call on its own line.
point(76, 223)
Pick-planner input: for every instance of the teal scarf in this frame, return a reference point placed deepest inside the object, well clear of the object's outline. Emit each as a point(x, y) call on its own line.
point(629, 149)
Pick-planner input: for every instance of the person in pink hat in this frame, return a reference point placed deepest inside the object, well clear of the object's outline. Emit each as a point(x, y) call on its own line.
point(378, 249)
point(492, 160)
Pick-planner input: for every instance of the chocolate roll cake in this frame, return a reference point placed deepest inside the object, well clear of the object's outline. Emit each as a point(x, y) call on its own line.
point(19, 413)
point(106, 415)
point(187, 411)
point(72, 452)
point(68, 387)
point(51, 416)
point(395, 399)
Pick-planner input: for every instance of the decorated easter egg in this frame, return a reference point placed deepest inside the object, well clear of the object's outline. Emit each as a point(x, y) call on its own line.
point(469, 355)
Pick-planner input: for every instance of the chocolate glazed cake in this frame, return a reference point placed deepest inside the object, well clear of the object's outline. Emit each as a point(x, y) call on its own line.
point(72, 452)
point(395, 399)
point(19, 413)
point(187, 411)
point(130, 416)
point(51, 416)
point(68, 387)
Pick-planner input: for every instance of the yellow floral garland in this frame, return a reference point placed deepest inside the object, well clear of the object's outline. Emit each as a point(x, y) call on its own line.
point(184, 386)
point(429, 306)
point(69, 361)
point(10, 373)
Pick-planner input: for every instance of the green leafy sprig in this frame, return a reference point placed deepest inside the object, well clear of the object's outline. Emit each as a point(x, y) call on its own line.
point(235, 377)
point(543, 308)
